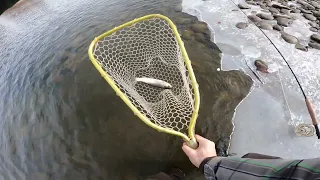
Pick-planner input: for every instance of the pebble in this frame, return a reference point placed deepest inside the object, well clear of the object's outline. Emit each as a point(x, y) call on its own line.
point(305, 11)
point(187, 34)
point(242, 25)
point(277, 27)
point(265, 10)
point(310, 17)
point(282, 16)
point(289, 38)
point(313, 29)
point(315, 37)
point(285, 11)
point(264, 25)
point(316, 13)
point(265, 16)
point(284, 21)
point(306, 5)
point(254, 18)
point(243, 5)
point(276, 5)
point(314, 45)
point(200, 37)
point(312, 24)
point(261, 66)
point(301, 47)
point(251, 2)
point(263, 6)
point(199, 27)
point(296, 10)
point(274, 10)
point(315, 4)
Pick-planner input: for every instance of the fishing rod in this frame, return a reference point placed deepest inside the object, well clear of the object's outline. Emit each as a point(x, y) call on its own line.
point(306, 99)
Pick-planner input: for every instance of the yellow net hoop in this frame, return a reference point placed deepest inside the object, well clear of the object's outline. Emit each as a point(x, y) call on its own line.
point(150, 46)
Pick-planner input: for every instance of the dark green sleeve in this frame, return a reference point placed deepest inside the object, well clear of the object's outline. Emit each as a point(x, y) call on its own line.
point(244, 168)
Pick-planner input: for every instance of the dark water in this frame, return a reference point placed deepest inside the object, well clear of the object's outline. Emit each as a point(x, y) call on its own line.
point(60, 120)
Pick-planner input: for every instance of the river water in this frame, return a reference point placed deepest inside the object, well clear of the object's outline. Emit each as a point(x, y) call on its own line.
point(60, 120)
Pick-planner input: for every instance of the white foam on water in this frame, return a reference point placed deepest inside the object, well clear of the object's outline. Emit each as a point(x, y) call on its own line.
point(264, 121)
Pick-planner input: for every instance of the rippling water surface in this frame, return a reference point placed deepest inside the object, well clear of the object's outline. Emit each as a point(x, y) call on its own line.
point(60, 120)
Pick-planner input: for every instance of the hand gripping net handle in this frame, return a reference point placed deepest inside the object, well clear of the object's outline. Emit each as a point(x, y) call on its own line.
point(150, 46)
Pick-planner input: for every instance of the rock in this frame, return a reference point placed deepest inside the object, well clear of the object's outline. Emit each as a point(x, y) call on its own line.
point(261, 66)
point(294, 16)
point(315, 37)
point(284, 21)
point(310, 17)
point(187, 34)
point(305, 11)
point(200, 37)
point(289, 38)
point(296, 10)
point(316, 13)
point(243, 5)
point(314, 45)
point(312, 24)
point(315, 4)
point(285, 11)
point(183, 21)
point(313, 29)
point(277, 27)
point(265, 10)
point(253, 12)
point(242, 25)
point(234, 10)
point(274, 10)
point(282, 16)
point(305, 4)
point(264, 25)
point(254, 18)
point(276, 5)
point(178, 8)
point(263, 6)
point(301, 47)
point(265, 16)
point(251, 2)
point(199, 27)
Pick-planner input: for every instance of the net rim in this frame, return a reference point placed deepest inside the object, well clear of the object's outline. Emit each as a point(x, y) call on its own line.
point(191, 128)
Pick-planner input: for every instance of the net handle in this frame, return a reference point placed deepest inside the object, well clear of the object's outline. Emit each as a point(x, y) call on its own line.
point(190, 138)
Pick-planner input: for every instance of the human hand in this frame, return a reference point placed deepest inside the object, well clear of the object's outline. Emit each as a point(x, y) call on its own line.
point(205, 149)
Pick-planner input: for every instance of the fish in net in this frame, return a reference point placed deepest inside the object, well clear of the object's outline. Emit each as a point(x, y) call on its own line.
point(145, 62)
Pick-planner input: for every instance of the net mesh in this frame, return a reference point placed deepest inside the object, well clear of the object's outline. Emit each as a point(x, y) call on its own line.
point(149, 48)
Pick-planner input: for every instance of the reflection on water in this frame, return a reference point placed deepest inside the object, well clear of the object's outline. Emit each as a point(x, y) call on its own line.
point(61, 120)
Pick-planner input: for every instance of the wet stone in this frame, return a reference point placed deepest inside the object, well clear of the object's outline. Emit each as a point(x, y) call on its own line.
point(251, 2)
point(313, 29)
point(314, 45)
point(277, 27)
point(285, 11)
point(276, 5)
point(284, 21)
point(305, 11)
point(310, 17)
point(315, 4)
point(243, 5)
point(264, 25)
point(199, 27)
point(187, 34)
point(274, 10)
point(282, 16)
point(265, 16)
point(312, 24)
point(261, 66)
point(316, 13)
point(296, 10)
point(242, 25)
point(254, 18)
point(315, 37)
point(200, 37)
point(289, 38)
point(301, 47)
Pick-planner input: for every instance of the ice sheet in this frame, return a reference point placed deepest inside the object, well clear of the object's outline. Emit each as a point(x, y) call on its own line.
point(264, 121)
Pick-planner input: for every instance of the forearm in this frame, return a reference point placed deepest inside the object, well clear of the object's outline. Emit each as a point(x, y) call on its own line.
point(245, 168)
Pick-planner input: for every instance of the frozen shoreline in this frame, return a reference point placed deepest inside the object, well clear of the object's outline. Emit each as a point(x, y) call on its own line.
point(263, 122)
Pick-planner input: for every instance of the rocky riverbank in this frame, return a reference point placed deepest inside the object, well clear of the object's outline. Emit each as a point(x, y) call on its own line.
point(279, 14)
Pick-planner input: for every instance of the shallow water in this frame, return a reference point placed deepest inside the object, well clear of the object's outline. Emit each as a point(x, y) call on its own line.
point(61, 120)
